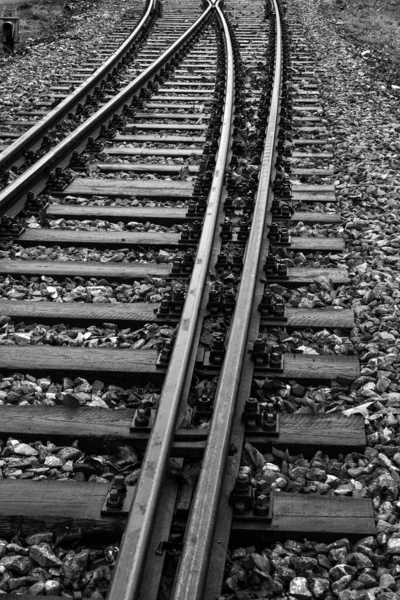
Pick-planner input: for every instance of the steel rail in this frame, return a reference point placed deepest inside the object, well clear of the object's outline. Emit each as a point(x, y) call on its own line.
point(13, 197)
point(193, 567)
point(126, 579)
point(36, 133)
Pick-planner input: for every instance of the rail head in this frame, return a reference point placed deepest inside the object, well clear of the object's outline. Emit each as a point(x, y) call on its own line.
point(192, 571)
point(13, 197)
point(36, 133)
point(126, 580)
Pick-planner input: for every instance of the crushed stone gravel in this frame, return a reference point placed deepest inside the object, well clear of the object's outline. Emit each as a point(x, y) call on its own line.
point(55, 565)
point(361, 114)
point(151, 335)
point(38, 461)
point(29, 390)
point(27, 78)
point(78, 289)
point(78, 254)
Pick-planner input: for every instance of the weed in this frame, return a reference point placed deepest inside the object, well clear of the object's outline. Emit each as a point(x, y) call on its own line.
point(371, 24)
point(374, 22)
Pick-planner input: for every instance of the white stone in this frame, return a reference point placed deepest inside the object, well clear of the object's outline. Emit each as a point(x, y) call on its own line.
point(299, 588)
point(25, 450)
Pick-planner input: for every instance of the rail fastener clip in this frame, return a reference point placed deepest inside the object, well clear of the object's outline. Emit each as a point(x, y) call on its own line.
point(119, 498)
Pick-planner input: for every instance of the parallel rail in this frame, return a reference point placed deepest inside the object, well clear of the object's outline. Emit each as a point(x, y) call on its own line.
point(128, 570)
point(37, 132)
point(13, 198)
point(192, 579)
point(192, 574)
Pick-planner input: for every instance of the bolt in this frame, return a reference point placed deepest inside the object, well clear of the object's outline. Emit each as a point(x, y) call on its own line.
point(242, 483)
point(261, 504)
point(185, 233)
point(191, 208)
point(204, 402)
point(164, 306)
point(259, 345)
point(165, 355)
point(268, 420)
point(141, 418)
point(176, 265)
point(214, 295)
point(267, 301)
point(262, 486)
point(218, 341)
point(279, 309)
point(179, 295)
point(251, 405)
point(119, 483)
point(285, 236)
point(114, 499)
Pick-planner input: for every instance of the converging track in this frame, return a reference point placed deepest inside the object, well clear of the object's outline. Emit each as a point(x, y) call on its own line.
point(150, 257)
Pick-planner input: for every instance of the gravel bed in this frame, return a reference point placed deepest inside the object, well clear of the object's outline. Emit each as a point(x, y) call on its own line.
point(379, 413)
point(173, 121)
point(73, 254)
point(364, 119)
point(308, 341)
point(354, 475)
point(29, 77)
point(48, 289)
point(55, 565)
point(155, 160)
point(319, 207)
point(362, 115)
point(27, 390)
point(310, 163)
point(151, 335)
point(318, 230)
point(365, 570)
point(315, 259)
point(106, 201)
point(319, 294)
point(151, 145)
point(38, 461)
point(93, 170)
point(194, 108)
point(100, 225)
point(182, 174)
point(292, 396)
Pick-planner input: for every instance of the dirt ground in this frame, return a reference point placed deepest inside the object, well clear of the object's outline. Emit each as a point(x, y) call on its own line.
point(374, 26)
point(43, 20)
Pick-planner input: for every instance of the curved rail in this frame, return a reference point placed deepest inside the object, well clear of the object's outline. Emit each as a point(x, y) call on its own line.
point(192, 573)
point(13, 197)
point(35, 133)
point(128, 570)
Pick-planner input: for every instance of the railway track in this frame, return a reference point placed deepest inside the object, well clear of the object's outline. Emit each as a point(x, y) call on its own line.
point(163, 275)
point(74, 95)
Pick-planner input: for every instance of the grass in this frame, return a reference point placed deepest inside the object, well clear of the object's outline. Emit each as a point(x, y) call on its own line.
point(372, 24)
point(40, 20)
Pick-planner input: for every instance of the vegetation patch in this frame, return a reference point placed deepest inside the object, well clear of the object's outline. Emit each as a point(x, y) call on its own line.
point(374, 26)
point(43, 20)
